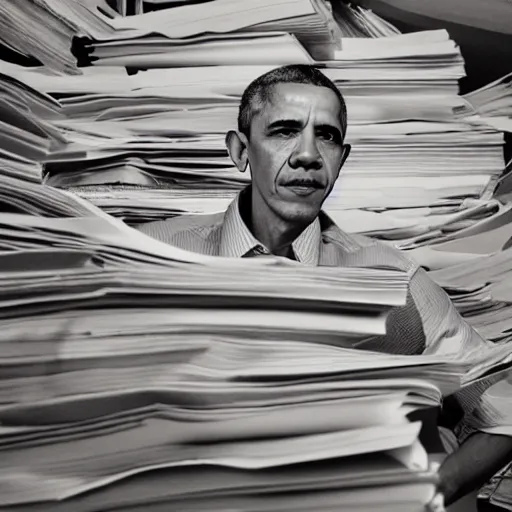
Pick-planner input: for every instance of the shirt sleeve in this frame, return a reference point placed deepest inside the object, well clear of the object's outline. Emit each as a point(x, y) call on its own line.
point(478, 407)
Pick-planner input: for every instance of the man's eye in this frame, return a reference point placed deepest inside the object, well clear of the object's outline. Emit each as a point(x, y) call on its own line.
point(328, 136)
point(285, 132)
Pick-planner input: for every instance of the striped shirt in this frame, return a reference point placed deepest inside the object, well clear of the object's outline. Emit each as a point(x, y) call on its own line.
point(428, 323)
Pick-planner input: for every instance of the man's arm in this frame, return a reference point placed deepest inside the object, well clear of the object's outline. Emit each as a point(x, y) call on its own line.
point(481, 452)
point(476, 461)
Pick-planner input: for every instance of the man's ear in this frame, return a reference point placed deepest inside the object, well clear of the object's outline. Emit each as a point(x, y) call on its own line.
point(237, 145)
point(346, 151)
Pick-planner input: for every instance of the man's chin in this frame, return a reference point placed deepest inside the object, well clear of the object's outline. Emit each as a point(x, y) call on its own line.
point(299, 212)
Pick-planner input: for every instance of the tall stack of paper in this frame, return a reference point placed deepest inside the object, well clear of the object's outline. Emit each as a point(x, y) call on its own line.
point(471, 259)
point(171, 145)
point(432, 171)
point(139, 376)
point(99, 407)
point(415, 149)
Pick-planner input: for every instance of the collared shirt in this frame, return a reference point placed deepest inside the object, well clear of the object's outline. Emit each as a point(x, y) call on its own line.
point(237, 241)
point(428, 323)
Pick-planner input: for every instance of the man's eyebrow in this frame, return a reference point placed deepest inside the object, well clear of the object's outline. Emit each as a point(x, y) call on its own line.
point(284, 123)
point(294, 123)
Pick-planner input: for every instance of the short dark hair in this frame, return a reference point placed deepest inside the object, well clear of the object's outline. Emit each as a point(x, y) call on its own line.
point(259, 91)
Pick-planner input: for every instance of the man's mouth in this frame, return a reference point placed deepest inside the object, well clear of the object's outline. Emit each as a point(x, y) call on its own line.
point(304, 188)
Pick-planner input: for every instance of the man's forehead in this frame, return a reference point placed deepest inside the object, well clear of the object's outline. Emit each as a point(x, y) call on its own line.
point(300, 101)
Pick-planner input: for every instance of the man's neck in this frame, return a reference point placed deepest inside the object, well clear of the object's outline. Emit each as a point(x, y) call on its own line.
point(277, 239)
point(274, 233)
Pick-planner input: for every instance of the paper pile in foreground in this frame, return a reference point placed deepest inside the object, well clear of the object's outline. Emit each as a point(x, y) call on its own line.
point(138, 376)
point(134, 378)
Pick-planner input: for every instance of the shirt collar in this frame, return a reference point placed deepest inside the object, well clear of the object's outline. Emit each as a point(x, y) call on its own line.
point(237, 240)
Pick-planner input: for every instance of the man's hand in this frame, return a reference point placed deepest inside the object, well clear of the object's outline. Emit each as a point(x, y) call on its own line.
point(468, 468)
point(437, 504)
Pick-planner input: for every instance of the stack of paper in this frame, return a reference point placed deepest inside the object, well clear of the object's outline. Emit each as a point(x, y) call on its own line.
point(205, 434)
point(98, 323)
point(25, 25)
point(355, 21)
point(503, 190)
point(484, 36)
point(455, 11)
point(180, 36)
point(475, 266)
point(140, 376)
point(26, 137)
point(107, 403)
point(471, 259)
point(494, 103)
point(234, 49)
point(33, 199)
point(421, 146)
point(310, 20)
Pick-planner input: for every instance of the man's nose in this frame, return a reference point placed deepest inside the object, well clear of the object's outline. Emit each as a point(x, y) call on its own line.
point(306, 154)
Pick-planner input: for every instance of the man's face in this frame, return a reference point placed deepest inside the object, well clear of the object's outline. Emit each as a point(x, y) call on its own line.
point(296, 151)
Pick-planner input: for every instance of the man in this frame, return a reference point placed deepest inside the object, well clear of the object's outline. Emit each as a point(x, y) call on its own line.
point(291, 131)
